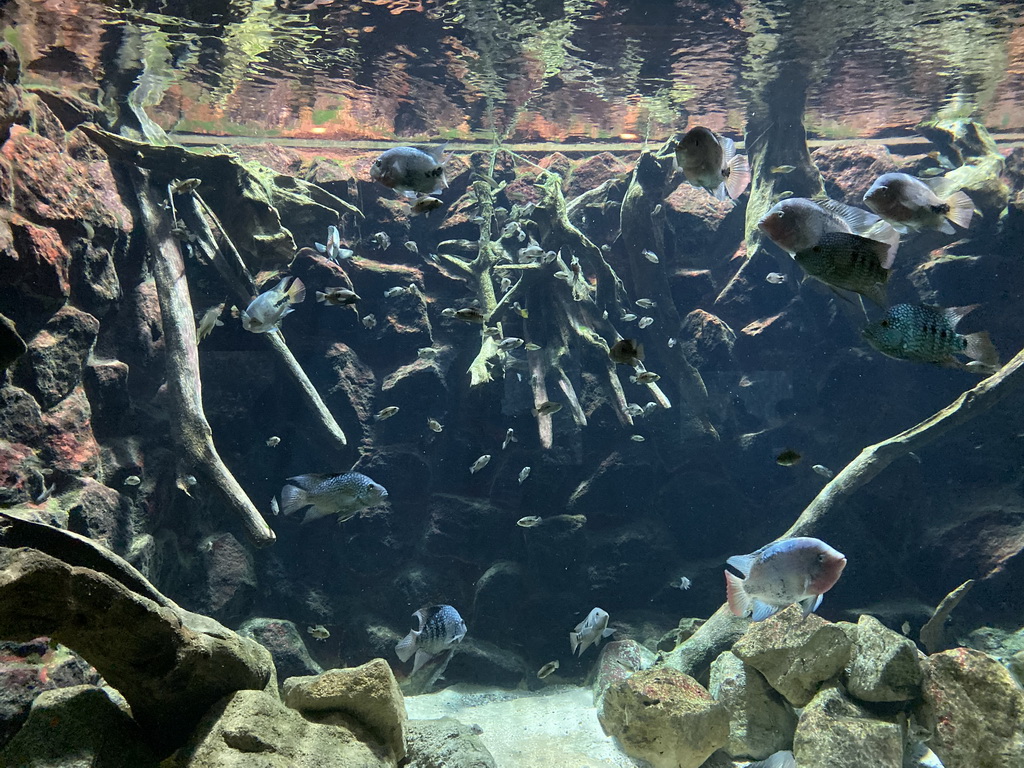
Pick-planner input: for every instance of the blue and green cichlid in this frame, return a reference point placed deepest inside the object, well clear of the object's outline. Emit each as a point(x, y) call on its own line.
point(927, 334)
point(440, 627)
point(413, 171)
point(341, 494)
point(851, 262)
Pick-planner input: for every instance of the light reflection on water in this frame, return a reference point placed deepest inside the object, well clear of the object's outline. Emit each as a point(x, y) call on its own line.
point(532, 70)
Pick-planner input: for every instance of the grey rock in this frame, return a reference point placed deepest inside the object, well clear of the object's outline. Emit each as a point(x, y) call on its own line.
point(284, 641)
point(835, 732)
point(57, 353)
point(760, 721)
point(106, 384)
point(485, 663)
point(446, 743)
point(230, 578)
point(12, 346)
point(885, 666)
point(100, 515)
point(618, 660)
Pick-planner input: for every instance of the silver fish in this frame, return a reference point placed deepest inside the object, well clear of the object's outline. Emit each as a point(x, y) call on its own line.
point(547, 669)
point(132, 480)
point(645, 322)
point(397, 290)
point(547, 408)
point(319, 632)
point(266, 311)
point(210, 320)
point(651, 256)
point(530, 521)
point(370, 322)
point(440, 627)
point(385, 413)
point(413, 171)
point(590, 631)
point(426, 353)
point(637, 438)
point(332, 248)
point(343, 494)
point(523, 474)
point(275, 508)
point(510, 437)
point(645, 377)
point(509, 343)
point(434, 425)
point(337, 297)
point(783, 759)
point(273, 441)
point(824, 471)
point(635, 410)
point(682, 583)
point(775, 278)
point(381, 240)
point(411, 247)
point(911, 204)
point(646, 303)
point(628, 317)
point(448, 312)
point(424, 205)
point(479, 464)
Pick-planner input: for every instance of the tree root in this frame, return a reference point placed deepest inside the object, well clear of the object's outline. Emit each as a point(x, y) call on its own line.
point(189, 427)
point(934, 631)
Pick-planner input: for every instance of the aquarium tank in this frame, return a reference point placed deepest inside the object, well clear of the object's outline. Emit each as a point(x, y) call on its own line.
point(515, 383)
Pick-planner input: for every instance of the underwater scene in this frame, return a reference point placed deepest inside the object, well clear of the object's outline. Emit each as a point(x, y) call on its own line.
point(511, 383)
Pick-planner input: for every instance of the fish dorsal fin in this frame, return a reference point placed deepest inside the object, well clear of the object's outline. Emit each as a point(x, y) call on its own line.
point(743, 563)
point(940, 185)
point(762, 610)
point(955, 314)
point(728, 149)
point(859, 220)
point(436, 151)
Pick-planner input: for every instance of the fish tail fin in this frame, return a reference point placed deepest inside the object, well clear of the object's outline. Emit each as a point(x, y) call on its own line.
point(739, 176)
point(961, 208)
point(422, 657)
point(293, 499)
point(574, 642)
point(739, 601)
point(407, 645)
point(321, 247)
point(296, 292)
point(321, 297)
point(980, 347)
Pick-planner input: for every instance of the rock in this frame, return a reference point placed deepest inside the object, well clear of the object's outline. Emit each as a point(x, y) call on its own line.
point(462, 524)
point(106, 384)
point(350, 380)
point(170, 665)
point(618, 660)
point(21, 420)
point(760, 722)
point(70, 445)
point(230, 578)
point(446, 743)
point(93, 276)
point(100, 514)
point(848, 170)
point(707, 341)
point(593, 172)
point(885, 665)
point(78, 727)
point(57, 353)
point(368, 692)
point(19, 478)
point(36, 262)
point(498, 600)
point(484, 663)
point(12, 346)
point(692, 287)
point(253, 728)
point(697, 219)
point(681, 633)
point(975, 710)
point(834, 732)
point(282, 638)
point(796, 654)
point(665, 717)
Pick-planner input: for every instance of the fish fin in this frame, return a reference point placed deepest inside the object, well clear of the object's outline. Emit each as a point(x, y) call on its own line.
point(421, 616)
point(955, 314)
point(961, 208)
point(783, 759)
point(407, 646)
point(315, 513)
point(720, 192)
point(876, 293)
point(946, 228)
point(980, 347)
point(742, 563)
point(739, 176)
point(333, 236)
point(293, 498)
point(728, 149)
point(762, 610)
point(608, 632)
point(321, 247)
point(739, 603)
point(436, 151)
point(321, 297)
point(810, 604)
point(858, 219)
point(296, 292)
point(422, 657)
point(574, 641)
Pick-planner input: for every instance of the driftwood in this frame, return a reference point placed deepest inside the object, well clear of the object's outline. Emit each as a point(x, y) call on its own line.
point(720, 631)
point(189, 427)
point(933, 633)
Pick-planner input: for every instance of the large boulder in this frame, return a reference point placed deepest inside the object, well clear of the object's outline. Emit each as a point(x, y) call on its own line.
point(885, 665)
point(618, 660)
point(284, 641)
point(835, 732)
point(760, 722)
point(57, 353)
point(665, 717)
point(975, 709)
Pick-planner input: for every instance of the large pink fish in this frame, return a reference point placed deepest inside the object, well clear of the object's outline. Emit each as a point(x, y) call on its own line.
point(798, 570)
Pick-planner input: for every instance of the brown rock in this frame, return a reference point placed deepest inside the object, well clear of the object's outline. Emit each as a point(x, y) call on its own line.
point(593, 172)
point(230, 578)
point(100, 515)
point(707, 340)
point(850, 169)
point(19, 466)
point(37, 264)
point(12, 346)
point(352, 379)
point(106, 384)
point(57, 353)
point(70, 445)
point(21, 419)
point(835, 732)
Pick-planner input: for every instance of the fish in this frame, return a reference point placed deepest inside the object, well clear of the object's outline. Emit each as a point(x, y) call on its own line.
point(645, 322)
point(917, 755)
point(650, 408)
point(469, 315)
point(509, 343)
point(412, 171)
point(650, 255)
point(628, 317)
point(912, 205)
point(784, 195)
point(933, 171)
point(46, 493)
point(775, 278)
point(645, 377)
point(369, 322)
point(824, 471)
point(547, 408)
point(682, 583)
point(397, 290)
point(448, 312)
point(710, 161)
point(646, 303)
point(797, 570)
point(926, 334)
point(637, 438)
point(181, 186)
point(337, 297)
point(797, 224)
point(905, 628)
point(434, 425)
point(563, 275)
point(411, 247)
point(627, 352)
point(440, 627)
point(479, 464)
point(523, 474)
point(343, 494)
point(672, 341)
point(547, 669)
point(590, 631)
point(782, 169)
point(385, 413)
point(382, 240)
point(424, 204)
point(788, 458)
point(523, 313)
point(426, 353)
point(505, 284)
point(332, 248)
point(275, 508)
point(850, 262)
point(132, 480)
point(746, 381)
point(491, 332)
point(782, 759)
point(510, 437)
point(210, 320)
point(266, 311)
point(319, 632)
point(530, 521)
point(273, 441)
point(634, 410)
point(531, 347)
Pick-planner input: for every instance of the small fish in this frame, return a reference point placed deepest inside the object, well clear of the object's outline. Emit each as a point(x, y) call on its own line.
point(505, 285)
point(650, 408)
point(651, 256)
point(788, 458)
point(381, 240)
point(469, 315)
point(440, 627)
point(509, 343)
point(132, 480)
point(637, 438)
point(798, 570)
point(784, 195)
point(273, 441)
point(646, 303)
point(510, 437)
point(547, 669)
point(628, 317)
point(627, 352)
point(275, 508)
point(775, 278)
point(547, 408)
point(411, 247)
point(927, 334)
point(266, 311)
point(332, 248)
point(337, 297)
point(645, 377)
point(710, 161)
point(563, 275)
point(434, 425)
point(385, 413)
point(531, 347)
point(672, 342)
point(782, 169)
point(782, 759)
point(412, 171)
point(824, 471)
point(46, 493)
point(424, 204)
point(850, 262)
point(523, 313)
point(479, 464)
point(343, 494)
point(928, 173)
point(912, 205)
point(746, 381)
point(590, 631)
point(426, 353)
point(369, 322)
point(181, 186)
point(319, 632)
point(530, 521)
point(523, 474)
point(635, 410)
point(397, 290)
point(905, 628)
point(682, 583)
point(448, 312)
point(210, 320)
point(645, 322)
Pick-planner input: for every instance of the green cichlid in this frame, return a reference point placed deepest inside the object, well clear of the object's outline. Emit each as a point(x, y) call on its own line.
point(927, 334)
point(710, 161)
point(851, 262)
point(413, 171)
point(342, 494)
point(912, 204)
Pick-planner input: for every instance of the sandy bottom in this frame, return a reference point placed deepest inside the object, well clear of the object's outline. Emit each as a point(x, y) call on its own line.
point(556, 726)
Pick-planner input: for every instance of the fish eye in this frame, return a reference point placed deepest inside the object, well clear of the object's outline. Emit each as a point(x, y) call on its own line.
point(821, 557)
point(377, 162)
point(884, 323)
